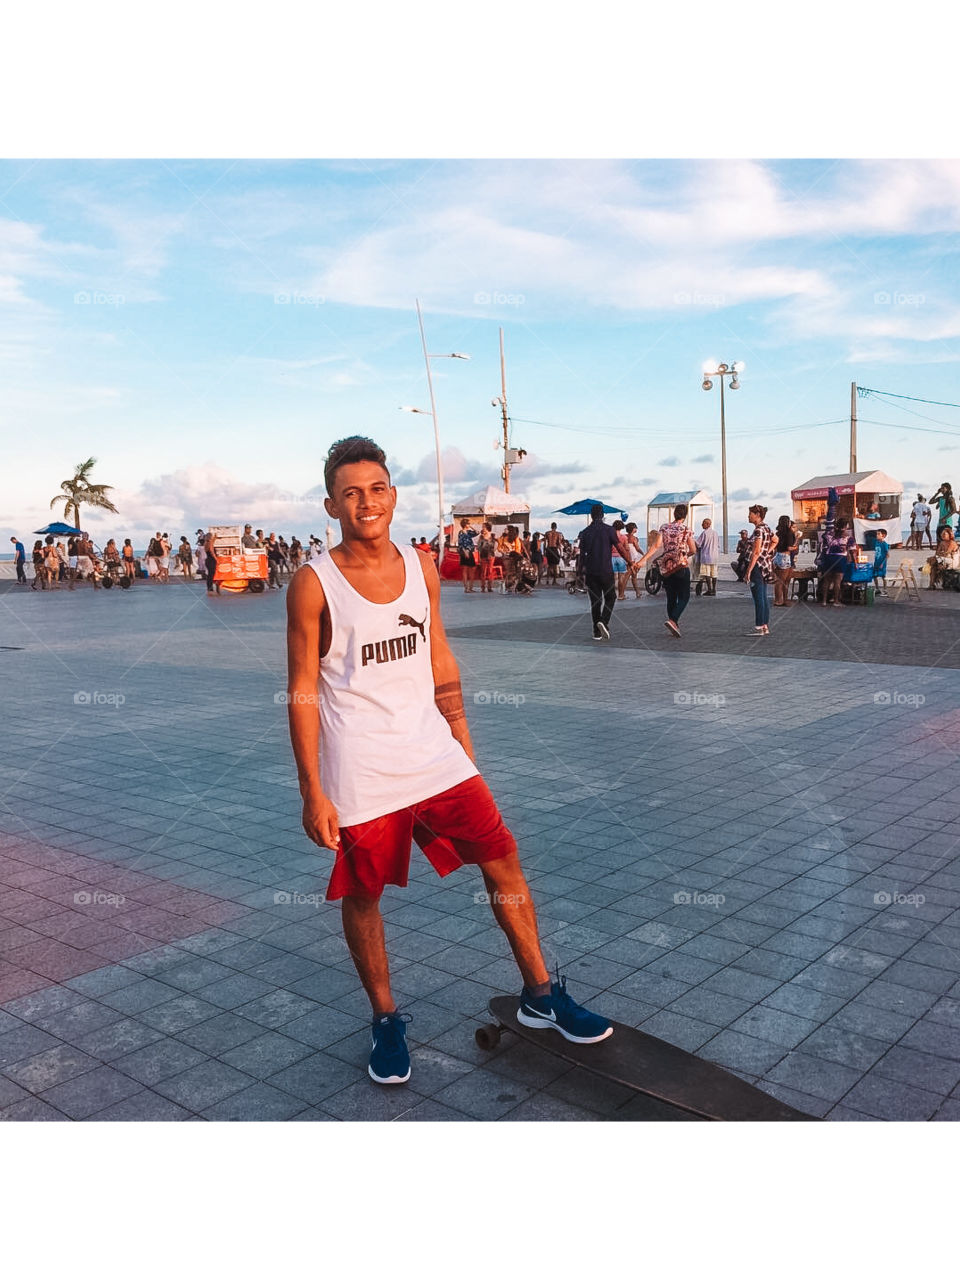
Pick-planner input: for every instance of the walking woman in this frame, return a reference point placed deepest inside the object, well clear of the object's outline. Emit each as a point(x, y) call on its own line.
point(760, 567)
point(39, 567)
point(619, 561)
point(673, 550)
point(783, 560)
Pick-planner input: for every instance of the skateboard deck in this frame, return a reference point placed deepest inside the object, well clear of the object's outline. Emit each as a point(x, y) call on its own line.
point(650, 1066)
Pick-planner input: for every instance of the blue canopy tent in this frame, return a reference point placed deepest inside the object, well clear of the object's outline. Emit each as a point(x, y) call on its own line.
point(585, 505)
point(58, 527)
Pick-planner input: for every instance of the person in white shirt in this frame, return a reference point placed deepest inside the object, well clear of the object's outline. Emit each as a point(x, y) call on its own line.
point(384, 754)
point(708, 550)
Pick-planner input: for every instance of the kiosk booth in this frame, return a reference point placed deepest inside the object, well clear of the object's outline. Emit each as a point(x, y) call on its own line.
point(870, 499)
point(490, 505)
point(660, 509)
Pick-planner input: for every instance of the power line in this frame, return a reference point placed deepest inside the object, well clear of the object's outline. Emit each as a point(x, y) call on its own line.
point(871, 391)
point(622, 432)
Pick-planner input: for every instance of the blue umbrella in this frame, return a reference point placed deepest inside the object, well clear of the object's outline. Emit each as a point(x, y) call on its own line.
point(58, 527)
point(584, 506)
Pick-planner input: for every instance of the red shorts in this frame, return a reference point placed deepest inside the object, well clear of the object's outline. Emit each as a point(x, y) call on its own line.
point(460, 825)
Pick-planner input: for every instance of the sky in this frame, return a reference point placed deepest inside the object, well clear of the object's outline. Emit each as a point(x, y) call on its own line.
point(206, 329)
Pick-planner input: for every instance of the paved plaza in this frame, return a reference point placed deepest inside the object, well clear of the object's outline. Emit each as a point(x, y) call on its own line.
point(746, 847)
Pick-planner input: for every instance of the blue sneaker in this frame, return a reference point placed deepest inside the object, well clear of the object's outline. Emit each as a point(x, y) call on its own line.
point(560, 1012)
point(390, 1059)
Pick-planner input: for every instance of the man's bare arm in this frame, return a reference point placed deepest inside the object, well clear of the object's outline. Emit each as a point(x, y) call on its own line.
point(446, 674)
point(305, 606)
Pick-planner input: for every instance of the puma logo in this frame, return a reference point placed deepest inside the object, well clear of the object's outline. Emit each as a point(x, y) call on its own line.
point(406, 621)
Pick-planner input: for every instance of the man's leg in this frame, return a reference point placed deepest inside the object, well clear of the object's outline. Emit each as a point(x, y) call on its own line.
point(516, 915)
point(595, 594)
point(609, 597)
point(363, 931)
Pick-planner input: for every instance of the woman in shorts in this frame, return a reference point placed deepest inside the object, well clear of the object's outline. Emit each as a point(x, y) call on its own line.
point(784, 550)
point(127, 557)
point(467, 554)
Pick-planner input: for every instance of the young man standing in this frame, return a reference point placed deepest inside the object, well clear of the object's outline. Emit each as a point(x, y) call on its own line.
point(388, 759)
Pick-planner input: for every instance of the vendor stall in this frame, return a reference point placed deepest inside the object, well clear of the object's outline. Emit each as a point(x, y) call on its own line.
point(660, 509)
point(870, 499)
point(496, 507)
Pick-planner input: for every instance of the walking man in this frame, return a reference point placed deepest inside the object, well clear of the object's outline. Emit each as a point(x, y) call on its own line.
point(387, 758)
point(598, 546)
point(20, 556)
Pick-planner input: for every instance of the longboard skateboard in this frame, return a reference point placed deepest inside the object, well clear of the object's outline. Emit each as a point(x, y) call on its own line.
point(648, 1065)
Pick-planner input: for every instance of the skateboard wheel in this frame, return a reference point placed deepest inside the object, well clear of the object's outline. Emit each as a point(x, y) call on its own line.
point(488, 1036)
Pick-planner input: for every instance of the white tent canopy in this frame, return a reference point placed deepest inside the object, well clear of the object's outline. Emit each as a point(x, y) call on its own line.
point(496, 507)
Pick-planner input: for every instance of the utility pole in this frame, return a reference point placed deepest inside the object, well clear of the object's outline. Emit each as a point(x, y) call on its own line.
point(506, 420)
point(853, 426)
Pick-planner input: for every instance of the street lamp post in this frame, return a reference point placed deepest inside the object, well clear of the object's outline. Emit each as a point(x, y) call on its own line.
point(712, 370)
point(427, 357)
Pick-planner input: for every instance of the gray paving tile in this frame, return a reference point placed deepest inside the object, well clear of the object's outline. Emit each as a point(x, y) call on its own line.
point(139, 996)
point(204, 1085)
point(266, 1054)
point(775, 1025)
point(365, 1100)
point(483, 1094)
point(934, 1037)
point(32, 1109)
point(891, 1099)
point(158, 1061)
point(260, 1102)
point(50, 1067)
point(802, 1071)
point(228, 993)
point(219, 1035)
point(321, 1028)
point(77, 1020)
point(734, 1050)
point(91, 1092)
point(924, 1070)
point(145, 1105)
point(44, 1003)
point(25, 1042)
point(429, 1110)
point(736, 982)
point(315, 1078)
point(837, 1044)
point(686, 1033)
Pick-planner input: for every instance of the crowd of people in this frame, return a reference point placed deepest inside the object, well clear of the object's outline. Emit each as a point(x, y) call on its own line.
point(63, 562)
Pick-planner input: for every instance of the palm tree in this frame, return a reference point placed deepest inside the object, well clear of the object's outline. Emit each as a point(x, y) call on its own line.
point(78, 490)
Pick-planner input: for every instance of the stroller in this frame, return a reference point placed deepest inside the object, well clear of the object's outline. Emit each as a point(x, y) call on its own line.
point(577, 586)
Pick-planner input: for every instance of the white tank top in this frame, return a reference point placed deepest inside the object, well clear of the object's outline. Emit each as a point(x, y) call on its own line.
point(383, 742)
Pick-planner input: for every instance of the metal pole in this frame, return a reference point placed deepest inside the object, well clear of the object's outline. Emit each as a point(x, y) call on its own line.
point(506, 421)
point(723, 465)
point(436, 440)
point(853, 426)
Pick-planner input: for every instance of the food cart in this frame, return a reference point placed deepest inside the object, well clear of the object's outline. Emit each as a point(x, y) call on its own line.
point(869, 499)
point(239, 568)
point(491, 506)
point(660, 509)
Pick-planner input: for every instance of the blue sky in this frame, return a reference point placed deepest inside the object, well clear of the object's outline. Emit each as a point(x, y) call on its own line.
point(207, 328)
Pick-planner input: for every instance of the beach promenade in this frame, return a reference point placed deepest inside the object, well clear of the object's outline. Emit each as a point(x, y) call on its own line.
point(747, 847)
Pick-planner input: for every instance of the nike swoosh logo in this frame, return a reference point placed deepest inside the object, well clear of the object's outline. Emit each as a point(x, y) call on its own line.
point(539, 1013)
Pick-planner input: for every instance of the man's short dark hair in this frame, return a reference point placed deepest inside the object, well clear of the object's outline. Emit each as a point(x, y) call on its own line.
point(351, 449)
point(596, 511)
point(680, 511)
